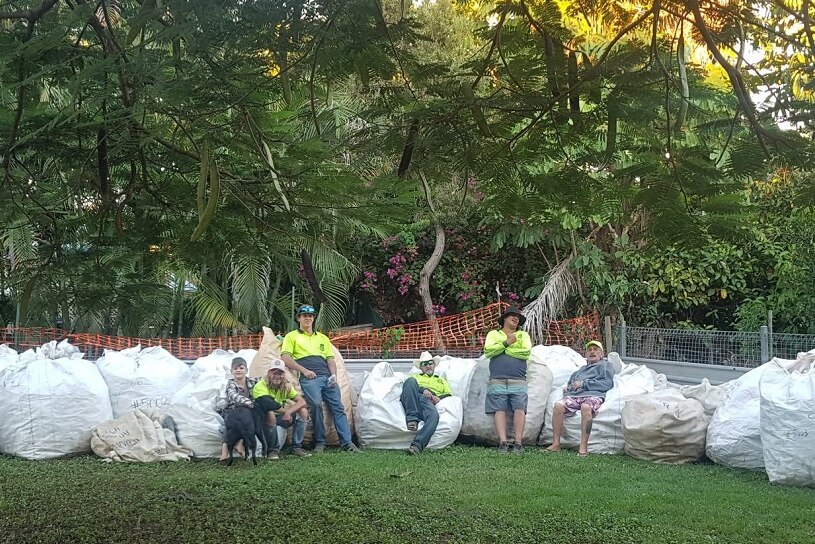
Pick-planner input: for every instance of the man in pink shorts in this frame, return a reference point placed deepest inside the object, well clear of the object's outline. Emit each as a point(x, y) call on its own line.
point(584, 392)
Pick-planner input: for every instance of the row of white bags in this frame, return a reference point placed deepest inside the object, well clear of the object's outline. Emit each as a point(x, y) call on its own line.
point(767, 421)
point(641, 416)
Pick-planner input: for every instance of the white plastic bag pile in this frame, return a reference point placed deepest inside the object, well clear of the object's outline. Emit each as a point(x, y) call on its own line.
point(194, 407)
point(380, 417)
point(664, 427)
point(734, 434)
point(479, 427)
point(50, 400)
point(142, 378)
point(787, 400)
point(607, 433)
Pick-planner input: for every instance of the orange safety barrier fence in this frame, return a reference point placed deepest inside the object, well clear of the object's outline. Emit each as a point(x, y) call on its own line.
point(463, 335)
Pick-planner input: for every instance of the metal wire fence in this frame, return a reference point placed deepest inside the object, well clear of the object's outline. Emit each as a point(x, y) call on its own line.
point(728, 348)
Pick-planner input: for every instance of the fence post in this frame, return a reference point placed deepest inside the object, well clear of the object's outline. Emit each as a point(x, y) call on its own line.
point(622, 338)
point(770, 332)
point(765, 349)
point(609, 345)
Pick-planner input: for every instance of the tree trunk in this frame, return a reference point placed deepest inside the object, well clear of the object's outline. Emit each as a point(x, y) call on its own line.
point(428, 269)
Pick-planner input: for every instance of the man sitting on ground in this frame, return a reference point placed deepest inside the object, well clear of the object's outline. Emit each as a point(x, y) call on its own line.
point(288, 409)
point(585, 391)
point(420, 394)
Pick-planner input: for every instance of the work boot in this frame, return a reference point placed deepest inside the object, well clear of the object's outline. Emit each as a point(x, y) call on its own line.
point(503, 448)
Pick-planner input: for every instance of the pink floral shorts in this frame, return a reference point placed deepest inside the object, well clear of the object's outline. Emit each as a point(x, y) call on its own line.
point(573, 404)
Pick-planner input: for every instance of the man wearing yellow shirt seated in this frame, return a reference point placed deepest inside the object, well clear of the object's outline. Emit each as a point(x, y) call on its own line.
point(508, 349)
point(420, 394)
point(289, 409)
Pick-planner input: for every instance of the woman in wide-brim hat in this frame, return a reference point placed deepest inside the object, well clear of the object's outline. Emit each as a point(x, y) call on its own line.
point(508, 350)
point(512, 310)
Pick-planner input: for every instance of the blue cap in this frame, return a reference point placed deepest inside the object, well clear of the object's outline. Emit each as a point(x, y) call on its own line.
point(306, 309)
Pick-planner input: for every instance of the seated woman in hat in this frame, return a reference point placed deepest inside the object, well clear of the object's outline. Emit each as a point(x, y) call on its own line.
point(420, 394)
point(508, 349)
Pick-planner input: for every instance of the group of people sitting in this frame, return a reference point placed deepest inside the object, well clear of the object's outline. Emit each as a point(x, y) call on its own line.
point(508, 348)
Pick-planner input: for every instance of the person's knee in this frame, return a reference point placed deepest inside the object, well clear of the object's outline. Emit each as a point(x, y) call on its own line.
point(560, 407)
point(585, 410)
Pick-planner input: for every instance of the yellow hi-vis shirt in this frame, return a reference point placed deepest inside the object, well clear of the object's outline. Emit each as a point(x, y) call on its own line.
point(300, 344)
point(262, 389)
point(437, 385)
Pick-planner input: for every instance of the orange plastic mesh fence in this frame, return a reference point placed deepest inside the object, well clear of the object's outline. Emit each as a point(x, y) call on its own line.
point(463, 334)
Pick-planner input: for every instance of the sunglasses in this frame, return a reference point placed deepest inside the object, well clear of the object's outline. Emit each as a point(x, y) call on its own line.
point(426, 363)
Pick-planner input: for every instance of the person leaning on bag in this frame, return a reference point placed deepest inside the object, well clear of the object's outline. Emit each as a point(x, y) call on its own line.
point(311, 354)
point(420, 394)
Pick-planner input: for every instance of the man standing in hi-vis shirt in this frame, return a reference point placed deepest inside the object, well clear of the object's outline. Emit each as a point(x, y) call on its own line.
point(311, 354)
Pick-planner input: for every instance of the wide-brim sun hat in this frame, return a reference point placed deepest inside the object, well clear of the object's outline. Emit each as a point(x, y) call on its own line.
point(425, 357)
point(512, 310)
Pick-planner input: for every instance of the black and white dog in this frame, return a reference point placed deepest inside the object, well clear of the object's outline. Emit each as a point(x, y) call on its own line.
point(244, 423)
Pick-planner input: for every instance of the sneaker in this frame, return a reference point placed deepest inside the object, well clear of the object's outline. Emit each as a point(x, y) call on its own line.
point(300, 452)
point(503, 448)
point(412, 426)
point(351, 448)
point(273, 455)
point(414, 450)
point(319, 448)
point(518, 448)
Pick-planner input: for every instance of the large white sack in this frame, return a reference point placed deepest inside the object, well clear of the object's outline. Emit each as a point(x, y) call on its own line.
point(709, 396)
point(8, 356)
point(734, 434)
point(664, 427)
point(563, 361)
point(479, 427)
point(49, 406)
point(380, 417)
point(193, 409)
point(607, 432)
point(220, 362)
point(138, 436)
point(787, 391)
point(142, 378)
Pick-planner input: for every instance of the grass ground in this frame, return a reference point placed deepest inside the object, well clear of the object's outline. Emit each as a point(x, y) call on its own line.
point(462, 494)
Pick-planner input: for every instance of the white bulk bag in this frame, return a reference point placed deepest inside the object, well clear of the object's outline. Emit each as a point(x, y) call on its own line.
point(607, 433)
point(49, 406)
point(193, 409)
point(787, 391)
point(8, 356)
point(142, 378)
point(220, 362)
point(734, 434)
point(479, 427)
point(710, 396)
point(664, 427)
point(380, 417)
point(138, 436)
point(563, 361)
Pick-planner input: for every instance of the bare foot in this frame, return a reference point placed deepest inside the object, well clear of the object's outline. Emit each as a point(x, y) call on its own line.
point(582, 453)
point(553, 448)
point(239, 448)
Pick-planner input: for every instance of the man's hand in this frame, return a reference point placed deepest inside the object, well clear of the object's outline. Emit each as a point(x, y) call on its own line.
point(434, 399)
point(286, 417)
point(427, 394)
point(511, 338)
point(577, 384)
point(308, 374)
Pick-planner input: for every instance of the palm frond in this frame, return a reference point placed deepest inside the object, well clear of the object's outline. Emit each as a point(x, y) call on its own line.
point(545, 308)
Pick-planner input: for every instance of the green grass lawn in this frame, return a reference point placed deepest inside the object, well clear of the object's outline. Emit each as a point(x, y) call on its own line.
point(462, 494)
